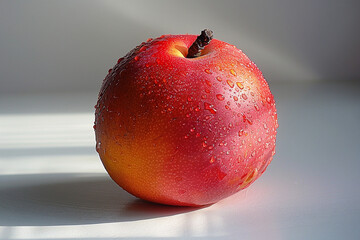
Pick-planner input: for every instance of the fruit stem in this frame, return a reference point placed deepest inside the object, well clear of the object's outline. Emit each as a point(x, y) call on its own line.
point(201, 41)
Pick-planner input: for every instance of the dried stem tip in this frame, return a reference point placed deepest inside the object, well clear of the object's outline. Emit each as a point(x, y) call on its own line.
point(201, 41)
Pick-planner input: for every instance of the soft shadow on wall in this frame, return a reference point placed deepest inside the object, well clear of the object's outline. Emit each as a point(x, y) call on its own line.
point(62, 46)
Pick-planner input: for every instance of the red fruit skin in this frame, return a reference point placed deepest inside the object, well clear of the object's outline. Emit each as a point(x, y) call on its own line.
point(181, 131)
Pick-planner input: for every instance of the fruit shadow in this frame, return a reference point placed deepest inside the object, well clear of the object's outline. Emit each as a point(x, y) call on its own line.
point(72, 199)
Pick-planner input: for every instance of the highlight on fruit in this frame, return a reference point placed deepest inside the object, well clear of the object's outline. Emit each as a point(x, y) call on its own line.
point(185, 120)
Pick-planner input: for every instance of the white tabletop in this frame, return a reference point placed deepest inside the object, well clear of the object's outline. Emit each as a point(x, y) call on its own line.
point(53, 185)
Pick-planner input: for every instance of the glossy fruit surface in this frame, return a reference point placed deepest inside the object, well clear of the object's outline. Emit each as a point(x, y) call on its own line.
point(185, 131)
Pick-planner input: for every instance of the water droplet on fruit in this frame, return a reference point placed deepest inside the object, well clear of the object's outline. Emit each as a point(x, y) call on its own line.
point(265, 126)
point(248, 178)
point(186, 136)
point(253, 154)
point(230, 83)
point(192, 129)
point(212, 159)
point(189, 99)
point(142, 49)
point(220, 97)
point(259, 139)
point(257, 107)
point(241, 132)
point(197, 109)
point(232, 71)
point(208, 82)
point(207, 71)
point(149, 40)
point(273, 152)
point(236, 98)
point(136, 58)
point(219, 79)
point(220, 174)
point(268, 99)
point(244, 96)
point(245, 119)
point(98, 145)
point(204, 145)
point(209, 107)
point(240, 85)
